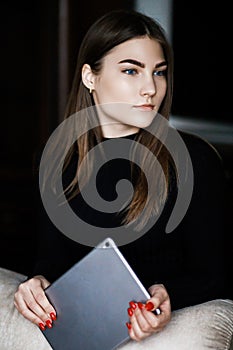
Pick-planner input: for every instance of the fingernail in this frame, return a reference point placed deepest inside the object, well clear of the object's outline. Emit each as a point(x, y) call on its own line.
point(133, 305)
point(130, 311)
point(49, 324)
point(42, 326)
point(129, 326)
point(140, 305)
point(53, 316)
point(149, 306)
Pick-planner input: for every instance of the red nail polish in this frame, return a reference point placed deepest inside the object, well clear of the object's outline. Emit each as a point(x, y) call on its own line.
point(140, 305)
point(149, 306)
point(53, 316)
point(129, 326)
point(49, 324)
point(133, 305)
point(130, 311)
point(42, 327)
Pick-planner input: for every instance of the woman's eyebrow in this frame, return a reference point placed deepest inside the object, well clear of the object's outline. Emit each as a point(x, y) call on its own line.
point(140, 64)
point(161, 64)
point(136, 63)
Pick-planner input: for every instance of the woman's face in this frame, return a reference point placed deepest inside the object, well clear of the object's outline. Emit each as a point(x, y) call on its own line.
point(130, 86)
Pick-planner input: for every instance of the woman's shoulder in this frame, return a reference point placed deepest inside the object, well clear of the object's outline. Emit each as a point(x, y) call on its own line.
point(200, 149)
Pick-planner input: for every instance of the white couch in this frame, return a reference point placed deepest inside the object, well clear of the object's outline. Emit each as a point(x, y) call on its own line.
point(201, 327)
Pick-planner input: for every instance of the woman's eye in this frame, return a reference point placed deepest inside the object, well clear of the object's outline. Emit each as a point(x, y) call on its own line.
point(130, 71)
point(160, 73)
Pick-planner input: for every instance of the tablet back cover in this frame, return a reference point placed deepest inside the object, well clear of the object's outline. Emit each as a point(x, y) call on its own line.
point(91, 301)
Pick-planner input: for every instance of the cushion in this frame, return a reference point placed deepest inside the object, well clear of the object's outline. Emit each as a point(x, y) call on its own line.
point(200, 327)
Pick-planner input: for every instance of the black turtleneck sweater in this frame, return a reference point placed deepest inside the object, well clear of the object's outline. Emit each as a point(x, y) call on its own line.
point(189, 261)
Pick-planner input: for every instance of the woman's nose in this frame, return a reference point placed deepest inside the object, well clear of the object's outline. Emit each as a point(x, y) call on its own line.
point(148, 87)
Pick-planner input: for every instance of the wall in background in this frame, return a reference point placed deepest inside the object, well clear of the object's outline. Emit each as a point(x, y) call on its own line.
point(203, 59)
point(160, 10)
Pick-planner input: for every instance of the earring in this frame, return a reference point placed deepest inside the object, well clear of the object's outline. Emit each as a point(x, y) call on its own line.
point(91, 87)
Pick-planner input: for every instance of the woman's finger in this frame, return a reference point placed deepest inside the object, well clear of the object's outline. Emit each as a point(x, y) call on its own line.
point(22, 307)
point(155, 322)
point(160, 299)
point(139, 325)
point(138, 333)
point(42, 301)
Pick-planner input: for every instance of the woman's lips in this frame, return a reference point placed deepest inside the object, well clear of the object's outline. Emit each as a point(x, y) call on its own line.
point(145, 107)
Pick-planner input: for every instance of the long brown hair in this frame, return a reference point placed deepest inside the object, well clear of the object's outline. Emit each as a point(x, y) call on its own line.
point(107, 32)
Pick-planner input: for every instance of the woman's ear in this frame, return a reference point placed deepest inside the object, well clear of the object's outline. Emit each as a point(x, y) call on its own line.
point(88, 77)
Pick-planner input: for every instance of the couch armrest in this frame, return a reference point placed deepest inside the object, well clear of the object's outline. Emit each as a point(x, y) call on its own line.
point(16, 333)
point(200, 327)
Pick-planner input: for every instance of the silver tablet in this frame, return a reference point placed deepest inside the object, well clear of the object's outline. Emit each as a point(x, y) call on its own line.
point(91, 301)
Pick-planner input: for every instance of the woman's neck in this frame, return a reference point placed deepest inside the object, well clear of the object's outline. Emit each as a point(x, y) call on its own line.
point(110, 134)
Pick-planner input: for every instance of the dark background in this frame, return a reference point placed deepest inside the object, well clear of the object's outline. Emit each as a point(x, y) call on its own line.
point(39, 54)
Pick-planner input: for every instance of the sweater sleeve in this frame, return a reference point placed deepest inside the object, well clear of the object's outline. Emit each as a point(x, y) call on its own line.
point(202, 231)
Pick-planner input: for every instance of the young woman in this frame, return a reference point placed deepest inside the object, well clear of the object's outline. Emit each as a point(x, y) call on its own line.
point(124, 70)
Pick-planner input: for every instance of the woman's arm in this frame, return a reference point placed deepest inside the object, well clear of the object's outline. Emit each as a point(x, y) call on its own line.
point(202, 232)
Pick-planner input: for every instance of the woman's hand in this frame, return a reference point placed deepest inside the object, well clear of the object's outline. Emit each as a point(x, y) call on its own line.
point(31, 301)
point(143, 322)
